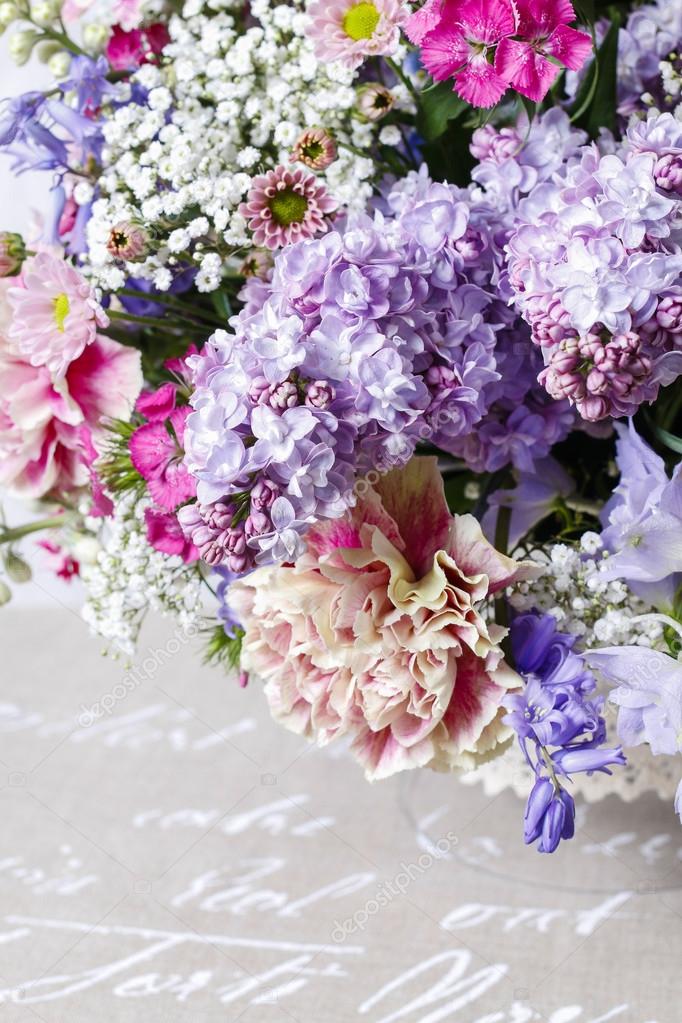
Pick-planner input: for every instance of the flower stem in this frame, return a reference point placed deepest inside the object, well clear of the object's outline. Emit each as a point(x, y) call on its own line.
point(19, 532)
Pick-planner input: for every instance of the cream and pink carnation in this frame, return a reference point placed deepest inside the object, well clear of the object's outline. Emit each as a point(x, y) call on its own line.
point(382, 631)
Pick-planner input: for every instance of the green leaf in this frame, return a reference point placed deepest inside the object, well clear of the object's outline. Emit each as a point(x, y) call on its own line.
point(595, 103)
point(669, 440)
point(437, 106)
point(221, 303)
point(585, 11)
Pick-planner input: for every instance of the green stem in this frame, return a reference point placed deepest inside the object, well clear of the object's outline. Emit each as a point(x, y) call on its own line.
point(64, 40)
point(19, 532)
point(397, 70)
point(501, 607)
point(169, 302)
point(149, 321)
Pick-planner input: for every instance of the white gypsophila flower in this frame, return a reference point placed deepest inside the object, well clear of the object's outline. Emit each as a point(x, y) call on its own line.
point(227, 102)
point(128, 576)
point(573, 591)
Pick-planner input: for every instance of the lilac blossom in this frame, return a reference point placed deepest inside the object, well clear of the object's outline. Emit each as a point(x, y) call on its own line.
point(592, 256)
point(386, 332)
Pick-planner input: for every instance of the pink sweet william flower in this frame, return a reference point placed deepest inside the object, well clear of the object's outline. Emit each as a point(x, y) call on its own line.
point(55, 315)
point(525, 63)
point(157, 452)
point(63, 564)
point(423, 21)
point(462, 45)
point(285, 206)
point(128, 50)
point(378, 631)
point(165, 534)
point(348, 31)
point(49, 428)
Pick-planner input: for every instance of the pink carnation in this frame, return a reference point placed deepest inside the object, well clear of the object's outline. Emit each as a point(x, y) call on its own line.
point(377, 632)
point(349, 31)
point(54, 313)
point(47, 427)
point(285, 206)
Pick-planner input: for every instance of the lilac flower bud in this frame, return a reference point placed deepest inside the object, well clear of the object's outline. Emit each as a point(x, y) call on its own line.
point(283, 396)
point(12, 253)
point(257, 524)
point(259, 391)
point(218, 516)
point(668, 172)
point(669, 313)
point(593, 408)
point(189, 517)
point(550, 323)
point(320, 394)
point(237, 563)
point(264, 495)
point(212, 553)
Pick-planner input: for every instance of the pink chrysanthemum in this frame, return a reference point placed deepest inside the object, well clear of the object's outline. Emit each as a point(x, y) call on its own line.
point(349, 31)
point(54, 313)
point(49, 430)
point(286, 206)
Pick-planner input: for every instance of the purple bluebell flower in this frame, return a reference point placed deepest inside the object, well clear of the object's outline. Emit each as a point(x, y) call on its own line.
point(88, 79)
point(558, 721)
point(225, 614)
point(549, 816)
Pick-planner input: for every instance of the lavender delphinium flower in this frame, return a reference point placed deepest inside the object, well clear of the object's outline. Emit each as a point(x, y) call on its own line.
point(643, 523)
point(595, 266)
point(558, 720)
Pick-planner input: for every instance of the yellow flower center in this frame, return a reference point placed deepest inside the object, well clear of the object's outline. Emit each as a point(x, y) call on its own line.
point(360, 21)
point(61, 310)
point(288, 207)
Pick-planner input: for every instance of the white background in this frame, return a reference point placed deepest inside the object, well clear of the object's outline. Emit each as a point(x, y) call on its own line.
point(23, 200)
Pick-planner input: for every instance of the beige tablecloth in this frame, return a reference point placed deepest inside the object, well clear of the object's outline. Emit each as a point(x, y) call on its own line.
point(168, 853)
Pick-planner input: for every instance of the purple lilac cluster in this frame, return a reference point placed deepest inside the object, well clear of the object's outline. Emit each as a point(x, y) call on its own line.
point(559, 723)
point(596, 268)
point(649, 58)
point(385, 332)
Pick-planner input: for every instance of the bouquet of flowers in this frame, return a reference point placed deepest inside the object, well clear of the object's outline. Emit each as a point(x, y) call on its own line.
point(353, 340)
